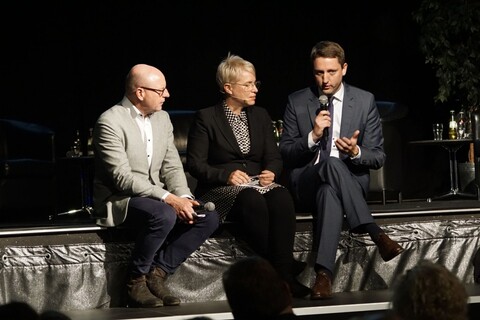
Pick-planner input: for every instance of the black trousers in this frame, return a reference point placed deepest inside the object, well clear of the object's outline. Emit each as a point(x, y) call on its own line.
point(266, 222)
point(162, 240)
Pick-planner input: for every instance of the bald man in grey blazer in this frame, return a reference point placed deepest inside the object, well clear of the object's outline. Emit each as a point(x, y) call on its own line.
point(328, 153)
point(140, 182)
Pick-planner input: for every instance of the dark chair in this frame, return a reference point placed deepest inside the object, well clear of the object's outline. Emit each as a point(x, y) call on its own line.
point(27, 172)
point(182, 121)
point(387, 180)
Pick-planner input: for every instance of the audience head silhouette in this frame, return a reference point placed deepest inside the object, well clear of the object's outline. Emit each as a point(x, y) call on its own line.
point(430, 291)
point(23, 311)
point(18, 310)
point(255, 290)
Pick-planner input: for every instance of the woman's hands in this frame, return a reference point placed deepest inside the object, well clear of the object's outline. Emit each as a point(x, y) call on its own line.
point(239, 177)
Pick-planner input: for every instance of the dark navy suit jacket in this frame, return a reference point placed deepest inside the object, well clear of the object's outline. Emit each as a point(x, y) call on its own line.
point(359, 112)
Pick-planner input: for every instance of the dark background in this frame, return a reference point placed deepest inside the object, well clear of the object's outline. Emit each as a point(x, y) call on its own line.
point(65, 64)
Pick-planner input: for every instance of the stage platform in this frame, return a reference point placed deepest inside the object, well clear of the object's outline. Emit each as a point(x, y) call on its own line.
point(71, 265)
point(342, 306)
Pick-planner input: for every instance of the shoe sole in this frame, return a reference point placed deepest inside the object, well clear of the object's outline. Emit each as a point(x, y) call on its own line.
point(320, 297)
point(396, 255)
point(139, 305)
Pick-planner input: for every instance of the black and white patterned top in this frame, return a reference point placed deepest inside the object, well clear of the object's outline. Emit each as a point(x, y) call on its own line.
point(225, 196)
point(239, 124)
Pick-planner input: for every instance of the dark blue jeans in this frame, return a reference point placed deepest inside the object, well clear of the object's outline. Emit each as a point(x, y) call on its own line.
point(161, 239)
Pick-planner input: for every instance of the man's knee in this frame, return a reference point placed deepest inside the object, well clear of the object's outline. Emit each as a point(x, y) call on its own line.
point(212, 220)
point(323, 190)
point(335, 163)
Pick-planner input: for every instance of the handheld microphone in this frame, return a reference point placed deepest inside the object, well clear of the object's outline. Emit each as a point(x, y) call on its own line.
point(199, 211)
point(323, 102)
point(323, 106)
point(209, 206)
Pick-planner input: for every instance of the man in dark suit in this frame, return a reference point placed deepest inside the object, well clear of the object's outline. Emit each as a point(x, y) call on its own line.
point(328, 157)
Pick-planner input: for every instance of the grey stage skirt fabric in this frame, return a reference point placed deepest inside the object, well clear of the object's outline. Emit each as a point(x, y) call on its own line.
point(223, 197)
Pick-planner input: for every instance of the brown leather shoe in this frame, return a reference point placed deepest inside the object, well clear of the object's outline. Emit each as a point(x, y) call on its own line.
point(388, 248)
point(139, 295)
point(156, 284)
point(322, 289)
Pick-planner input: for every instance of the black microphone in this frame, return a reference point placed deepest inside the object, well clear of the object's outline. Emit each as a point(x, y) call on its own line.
point(209, 206)
point(323, 106)
point(323, 102)
point(199, 211)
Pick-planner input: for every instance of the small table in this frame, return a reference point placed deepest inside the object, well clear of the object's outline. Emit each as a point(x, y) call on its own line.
point(452, 146)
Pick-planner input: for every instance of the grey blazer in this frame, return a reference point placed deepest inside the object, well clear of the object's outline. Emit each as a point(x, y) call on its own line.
point(121, 166)
point(359, 112)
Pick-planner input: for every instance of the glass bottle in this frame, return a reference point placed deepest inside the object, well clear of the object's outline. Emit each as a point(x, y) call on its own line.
point(461, 124)
point(452, 126)
point(275, 131)
point(77, 145)
point(90, 143)
point(280, 128)
point(468, 126)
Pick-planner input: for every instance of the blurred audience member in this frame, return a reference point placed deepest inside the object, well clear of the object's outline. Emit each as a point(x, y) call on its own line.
point(255, 290)
point(429, 291)
point(17, 310)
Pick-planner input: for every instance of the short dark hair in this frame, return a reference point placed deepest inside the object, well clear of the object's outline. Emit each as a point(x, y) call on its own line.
point(328, 49)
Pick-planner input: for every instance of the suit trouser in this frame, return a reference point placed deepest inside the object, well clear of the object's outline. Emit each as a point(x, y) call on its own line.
point(161, 239)
point(332, 191)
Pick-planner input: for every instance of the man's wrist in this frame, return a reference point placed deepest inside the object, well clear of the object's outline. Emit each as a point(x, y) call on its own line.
point(356, 154)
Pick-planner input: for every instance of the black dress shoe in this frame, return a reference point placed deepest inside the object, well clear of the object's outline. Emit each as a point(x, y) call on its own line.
point(322, 288)
point(388, 248)
point(298, 267)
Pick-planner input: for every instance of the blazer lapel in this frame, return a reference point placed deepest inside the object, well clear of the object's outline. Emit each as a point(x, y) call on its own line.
point(222, 123)
point(313, 104)
point(159, 140)
point(348, 115)
point(254, 128)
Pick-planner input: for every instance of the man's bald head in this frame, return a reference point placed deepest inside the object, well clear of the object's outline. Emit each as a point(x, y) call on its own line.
point(143, 75)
